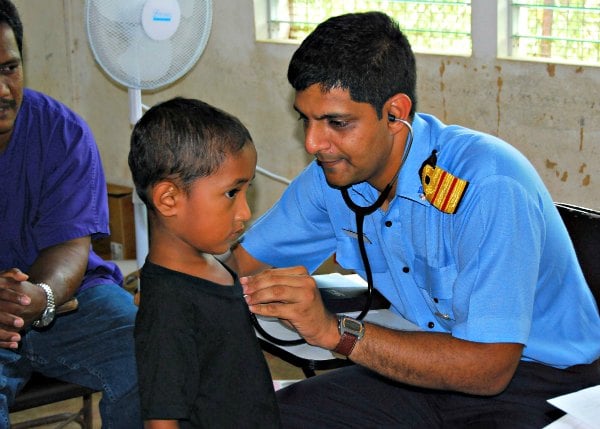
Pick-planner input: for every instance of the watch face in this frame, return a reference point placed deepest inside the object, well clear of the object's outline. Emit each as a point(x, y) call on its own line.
point(352, 325)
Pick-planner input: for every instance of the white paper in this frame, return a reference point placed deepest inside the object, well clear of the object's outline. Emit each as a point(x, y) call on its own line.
point(280, 384)
point(582, 408)
point(339, 280)
point(569, 422)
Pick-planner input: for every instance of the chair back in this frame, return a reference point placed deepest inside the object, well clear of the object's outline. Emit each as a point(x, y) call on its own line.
point(583, 225)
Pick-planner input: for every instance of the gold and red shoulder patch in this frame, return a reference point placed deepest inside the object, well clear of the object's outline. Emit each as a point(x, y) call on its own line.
point(443, 190)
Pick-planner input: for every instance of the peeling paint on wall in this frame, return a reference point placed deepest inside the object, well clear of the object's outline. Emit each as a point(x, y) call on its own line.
point(551, 69)
point(586, 180)
point(581, 126)
point(442, 87)
point(499, 84)
point(564, 175)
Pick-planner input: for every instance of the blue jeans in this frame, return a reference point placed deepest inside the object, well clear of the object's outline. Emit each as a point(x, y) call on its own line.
point(92, 346)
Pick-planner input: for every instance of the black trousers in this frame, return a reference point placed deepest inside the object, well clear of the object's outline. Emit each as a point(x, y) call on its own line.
point(354, 397)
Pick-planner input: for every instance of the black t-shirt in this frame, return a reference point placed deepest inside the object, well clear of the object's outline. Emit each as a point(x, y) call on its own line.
point(198, 358)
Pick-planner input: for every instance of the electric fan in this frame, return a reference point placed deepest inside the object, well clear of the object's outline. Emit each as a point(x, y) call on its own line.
point(146, 45)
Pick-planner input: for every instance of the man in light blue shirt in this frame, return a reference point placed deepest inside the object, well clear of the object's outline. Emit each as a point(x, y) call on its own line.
point(467, 244)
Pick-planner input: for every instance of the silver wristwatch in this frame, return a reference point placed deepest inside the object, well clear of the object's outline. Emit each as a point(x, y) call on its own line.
point(48, 315)
point(351, 331)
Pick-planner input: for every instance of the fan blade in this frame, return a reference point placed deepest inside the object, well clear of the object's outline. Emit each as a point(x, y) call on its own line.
point(187, 8)
point(126, 11)
point(146, 60)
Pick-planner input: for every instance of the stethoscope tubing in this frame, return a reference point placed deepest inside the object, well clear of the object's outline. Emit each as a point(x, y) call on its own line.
point(360, 212)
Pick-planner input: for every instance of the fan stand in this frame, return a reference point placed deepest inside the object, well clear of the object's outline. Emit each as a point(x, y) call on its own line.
point(140, 214)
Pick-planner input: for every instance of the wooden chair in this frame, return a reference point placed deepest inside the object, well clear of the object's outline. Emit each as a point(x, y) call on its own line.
point(41, 390)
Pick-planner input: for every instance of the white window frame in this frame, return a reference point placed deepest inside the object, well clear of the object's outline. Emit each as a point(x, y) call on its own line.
point(490, 30)
point(263, 32)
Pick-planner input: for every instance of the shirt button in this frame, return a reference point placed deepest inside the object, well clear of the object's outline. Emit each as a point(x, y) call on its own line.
point(431, 325)
point(436, 300)
point(388, 223)
point(405, 270)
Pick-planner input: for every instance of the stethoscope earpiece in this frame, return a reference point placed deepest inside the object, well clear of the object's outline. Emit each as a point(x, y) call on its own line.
point(391, 117)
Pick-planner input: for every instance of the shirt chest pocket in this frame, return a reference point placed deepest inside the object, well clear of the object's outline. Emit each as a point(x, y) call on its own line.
point(348, 255)
point(436, 285)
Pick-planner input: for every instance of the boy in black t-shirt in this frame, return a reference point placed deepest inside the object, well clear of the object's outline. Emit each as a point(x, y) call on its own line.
point(199, 362)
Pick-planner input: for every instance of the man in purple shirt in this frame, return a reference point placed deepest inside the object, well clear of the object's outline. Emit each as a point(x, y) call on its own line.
point(53, 203)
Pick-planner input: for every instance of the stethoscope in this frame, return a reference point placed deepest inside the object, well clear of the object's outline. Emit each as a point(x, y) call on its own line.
point(360, 213)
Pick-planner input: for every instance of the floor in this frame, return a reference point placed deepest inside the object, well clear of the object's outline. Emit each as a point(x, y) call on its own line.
point(279, 371)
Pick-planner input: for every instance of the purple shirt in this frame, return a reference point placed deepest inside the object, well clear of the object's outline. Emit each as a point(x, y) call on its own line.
point(52, 188)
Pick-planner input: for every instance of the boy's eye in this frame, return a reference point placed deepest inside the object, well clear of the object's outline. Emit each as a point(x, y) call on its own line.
point(304, 120)
point(232, 193)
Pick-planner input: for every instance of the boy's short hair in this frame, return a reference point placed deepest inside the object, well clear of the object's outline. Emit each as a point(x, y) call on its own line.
point(364, 53)
point(182, 140)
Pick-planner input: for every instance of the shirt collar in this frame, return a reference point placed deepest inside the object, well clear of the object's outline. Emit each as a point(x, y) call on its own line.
point(409, 182)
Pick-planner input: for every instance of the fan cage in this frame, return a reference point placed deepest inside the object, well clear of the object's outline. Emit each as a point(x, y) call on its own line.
point(131, 58)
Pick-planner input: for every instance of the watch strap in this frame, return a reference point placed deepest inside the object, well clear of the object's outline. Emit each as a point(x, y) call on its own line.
point(351, 331)
point(346, 344)
point(48, 314)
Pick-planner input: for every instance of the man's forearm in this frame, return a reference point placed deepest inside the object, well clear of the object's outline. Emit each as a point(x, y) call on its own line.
point(62, 268)
point(437, 360)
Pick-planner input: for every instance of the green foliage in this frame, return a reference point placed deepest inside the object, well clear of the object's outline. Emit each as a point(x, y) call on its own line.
point(557, 29)
point(431, 26)
point(566, 30)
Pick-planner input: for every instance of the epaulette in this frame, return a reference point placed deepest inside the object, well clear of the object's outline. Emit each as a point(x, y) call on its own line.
point(443, 190)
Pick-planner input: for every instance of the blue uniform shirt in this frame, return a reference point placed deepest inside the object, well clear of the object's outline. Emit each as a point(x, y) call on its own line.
point(501, 269)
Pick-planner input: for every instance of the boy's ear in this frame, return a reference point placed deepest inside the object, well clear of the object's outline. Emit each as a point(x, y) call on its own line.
point(165, 196)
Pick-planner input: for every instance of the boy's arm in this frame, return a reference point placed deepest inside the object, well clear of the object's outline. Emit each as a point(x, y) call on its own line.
point(242, 262)
point(161, 424)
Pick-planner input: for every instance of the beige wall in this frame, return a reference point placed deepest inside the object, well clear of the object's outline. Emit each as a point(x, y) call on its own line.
point(550, 112)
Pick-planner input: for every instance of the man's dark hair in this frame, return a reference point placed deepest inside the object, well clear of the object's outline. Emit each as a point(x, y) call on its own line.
point(364, 53)
point(182, 140)
point(10, 15)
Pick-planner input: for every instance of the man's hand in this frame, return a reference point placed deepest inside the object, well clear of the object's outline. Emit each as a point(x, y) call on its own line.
point(61, 266)
point(291, 295)
point(13, 305)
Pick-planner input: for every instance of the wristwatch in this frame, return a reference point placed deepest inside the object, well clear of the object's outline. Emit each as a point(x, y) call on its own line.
point(48, 315)
point(351, 330)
